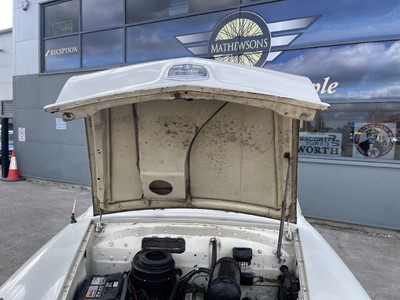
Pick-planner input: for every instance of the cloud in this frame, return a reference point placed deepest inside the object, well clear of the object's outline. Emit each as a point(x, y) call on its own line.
point(369, 68)
point(363, 71)
point(384, 92)
point(93, 11)
point(6, 14)
point(350, 20)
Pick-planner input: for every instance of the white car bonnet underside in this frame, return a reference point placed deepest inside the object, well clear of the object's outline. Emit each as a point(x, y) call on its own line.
point(191, 133)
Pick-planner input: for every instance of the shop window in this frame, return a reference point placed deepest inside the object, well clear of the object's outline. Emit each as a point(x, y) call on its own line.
point(101, 14)
point(198, 6)
point(140, 11)
point(362, 131)
point(62, 53)
point(61, 18)
point(101, 32)
point(103, 48)
point(254, 1)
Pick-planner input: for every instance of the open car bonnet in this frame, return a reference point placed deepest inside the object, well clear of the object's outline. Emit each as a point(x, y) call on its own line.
point(191, 133)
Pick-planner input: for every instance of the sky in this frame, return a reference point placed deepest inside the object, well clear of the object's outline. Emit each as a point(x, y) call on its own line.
point(5, 14)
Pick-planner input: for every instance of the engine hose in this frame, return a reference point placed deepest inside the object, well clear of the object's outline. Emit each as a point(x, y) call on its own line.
point(213, 252)
point(124, 287)
point(176, 285)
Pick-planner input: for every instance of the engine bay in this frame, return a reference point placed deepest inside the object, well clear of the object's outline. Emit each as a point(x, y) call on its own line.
point(156, 262)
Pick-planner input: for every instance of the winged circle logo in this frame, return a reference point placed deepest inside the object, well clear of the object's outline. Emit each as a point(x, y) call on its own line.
point(245, 37)
point(241, 37)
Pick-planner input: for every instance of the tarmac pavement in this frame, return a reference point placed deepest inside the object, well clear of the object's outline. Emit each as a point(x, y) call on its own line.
point(33, 211)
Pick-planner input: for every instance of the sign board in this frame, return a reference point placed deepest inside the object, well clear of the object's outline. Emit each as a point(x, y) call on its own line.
point(60, 28)
point(21, 134)
point(60, 124)
point(320, 143)
point(375, 140)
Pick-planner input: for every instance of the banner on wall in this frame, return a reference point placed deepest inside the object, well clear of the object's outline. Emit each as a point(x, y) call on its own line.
point(374, 140)
point(320, 143)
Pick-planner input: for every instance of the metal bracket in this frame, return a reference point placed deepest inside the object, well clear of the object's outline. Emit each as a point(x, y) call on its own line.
point(99, 225)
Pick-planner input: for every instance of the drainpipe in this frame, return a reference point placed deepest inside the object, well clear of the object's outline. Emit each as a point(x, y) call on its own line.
point(5, 161)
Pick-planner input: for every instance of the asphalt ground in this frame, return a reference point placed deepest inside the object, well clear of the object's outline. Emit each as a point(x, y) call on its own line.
point(33, 211)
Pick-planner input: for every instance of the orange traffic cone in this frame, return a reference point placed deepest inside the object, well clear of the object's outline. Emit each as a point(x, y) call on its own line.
point(13, 169)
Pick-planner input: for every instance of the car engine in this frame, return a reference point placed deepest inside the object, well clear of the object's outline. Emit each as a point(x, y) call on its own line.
point(154, 275)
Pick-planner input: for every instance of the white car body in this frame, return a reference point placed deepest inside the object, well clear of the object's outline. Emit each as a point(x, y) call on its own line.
point(198, 155)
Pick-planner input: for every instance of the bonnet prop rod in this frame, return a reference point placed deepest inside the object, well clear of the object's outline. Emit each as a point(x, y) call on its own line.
point(282, 222)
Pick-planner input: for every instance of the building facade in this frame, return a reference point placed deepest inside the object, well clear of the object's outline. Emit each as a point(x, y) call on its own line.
point(6, 96)
point(6, 66)
point(349, 156)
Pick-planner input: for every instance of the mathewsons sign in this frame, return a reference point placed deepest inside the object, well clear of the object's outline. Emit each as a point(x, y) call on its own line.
point(241, 37)
point(245, 37)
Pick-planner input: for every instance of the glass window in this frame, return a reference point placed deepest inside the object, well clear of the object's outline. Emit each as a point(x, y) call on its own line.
point(161, 45)
point(61, 53)
point(103, 48)
point(364, 131)
point(100, 14)
point(61, 18)
point(198, 6)
point(139, 11)
point(178, 37)
point(254, 1)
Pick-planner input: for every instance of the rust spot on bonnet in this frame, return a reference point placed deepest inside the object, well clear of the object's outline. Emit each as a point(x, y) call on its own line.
point(176, 95)
point(179, 95)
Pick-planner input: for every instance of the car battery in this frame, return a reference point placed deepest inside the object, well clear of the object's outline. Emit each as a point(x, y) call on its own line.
point(102, 287)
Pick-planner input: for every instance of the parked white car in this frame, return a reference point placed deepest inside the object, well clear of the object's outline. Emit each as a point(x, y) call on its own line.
point(194, 171)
